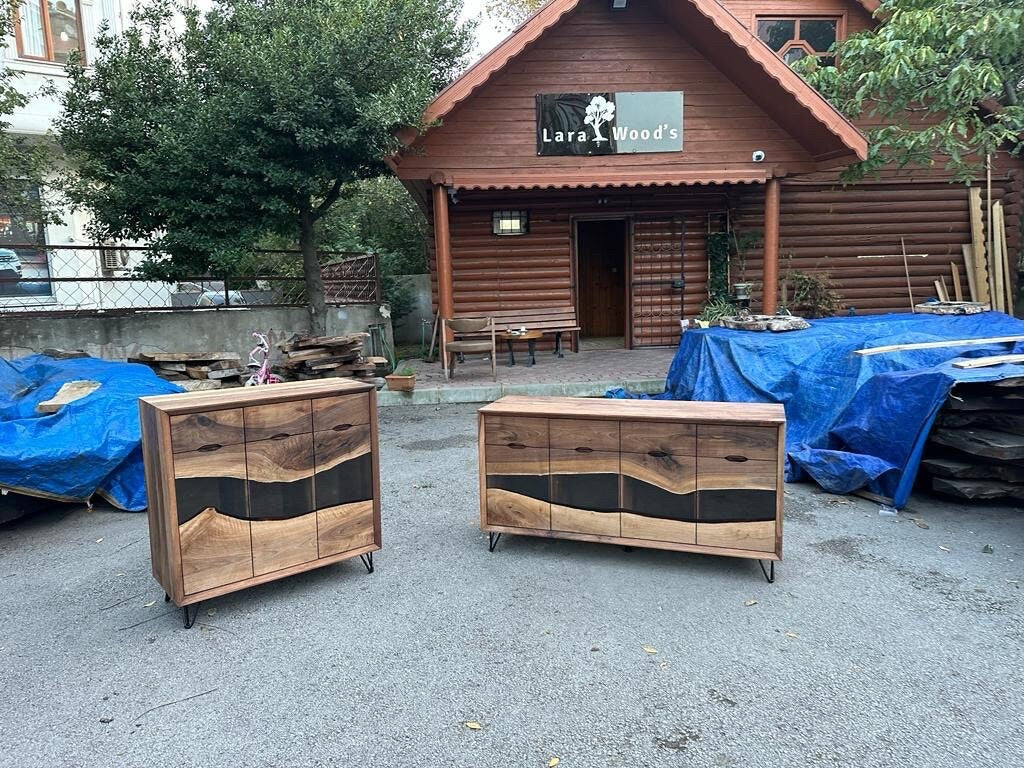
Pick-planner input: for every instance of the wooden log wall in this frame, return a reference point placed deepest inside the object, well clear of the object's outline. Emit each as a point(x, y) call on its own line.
point(854, 234)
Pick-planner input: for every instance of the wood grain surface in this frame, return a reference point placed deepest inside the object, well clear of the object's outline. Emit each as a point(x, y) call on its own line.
point(759, 537)
point(723, 440)
point(514, 430)
point(746, 414)
point(215, 550)
point(593, 434)
point(564, 518)
point(192, 431)
point(676, 474)
point(210, 479)
point(336, 447)
point(722, 473)
point(278, 544)
point(640, 527)
point(502, 460)
point(263, 422)
point(331, 413)
point(226, 461)
point(669, 437)
point(193, 402)
point(280, 477)
point(516, 510)
point(345, 527)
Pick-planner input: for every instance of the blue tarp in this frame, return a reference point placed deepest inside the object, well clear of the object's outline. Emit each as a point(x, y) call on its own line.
point(853, 421)
point(92, 445)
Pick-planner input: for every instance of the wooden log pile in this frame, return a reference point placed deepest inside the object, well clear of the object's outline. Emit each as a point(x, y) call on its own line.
point(318, 357)
point(976, 448)
point(196, 370)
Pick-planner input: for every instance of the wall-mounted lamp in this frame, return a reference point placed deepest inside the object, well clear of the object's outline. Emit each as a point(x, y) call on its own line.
point(619, 5)
point(510, 223)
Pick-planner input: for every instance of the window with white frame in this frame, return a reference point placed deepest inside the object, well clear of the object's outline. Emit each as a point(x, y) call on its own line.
point(49, 30)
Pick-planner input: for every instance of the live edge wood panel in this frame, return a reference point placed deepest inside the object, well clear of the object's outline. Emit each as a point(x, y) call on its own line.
point(697, 477)
point(251, 485)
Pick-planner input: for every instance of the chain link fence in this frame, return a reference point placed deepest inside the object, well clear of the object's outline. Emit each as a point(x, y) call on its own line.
point(75, 280)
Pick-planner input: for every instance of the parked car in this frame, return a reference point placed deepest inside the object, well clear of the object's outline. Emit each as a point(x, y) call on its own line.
point(10, 264)
point(216, 298)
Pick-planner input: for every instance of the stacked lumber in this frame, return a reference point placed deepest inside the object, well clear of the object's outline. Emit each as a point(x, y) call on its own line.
point(214, 369)
point(318, 357)
point(976, 449)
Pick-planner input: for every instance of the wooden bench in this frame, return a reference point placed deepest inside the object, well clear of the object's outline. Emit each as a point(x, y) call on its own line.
point(555, 320)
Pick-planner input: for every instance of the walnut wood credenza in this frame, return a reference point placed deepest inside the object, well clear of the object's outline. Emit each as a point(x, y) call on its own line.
point(686, 476)
point(254, 484)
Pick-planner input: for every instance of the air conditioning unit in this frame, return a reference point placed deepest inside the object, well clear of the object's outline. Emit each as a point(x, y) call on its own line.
point(115, 261)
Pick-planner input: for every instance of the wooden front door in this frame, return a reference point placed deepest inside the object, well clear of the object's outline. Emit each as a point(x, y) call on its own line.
point(601, 278)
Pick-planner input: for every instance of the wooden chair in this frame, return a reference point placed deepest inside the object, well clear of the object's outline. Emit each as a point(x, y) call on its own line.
point(470, 326)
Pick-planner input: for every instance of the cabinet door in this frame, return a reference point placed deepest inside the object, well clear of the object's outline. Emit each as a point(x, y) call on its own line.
point(344, 528)
point(213, 525)
point(517, 486)
point(659, 493)
point(737, 502)
point(585, 491)
point(344, 465)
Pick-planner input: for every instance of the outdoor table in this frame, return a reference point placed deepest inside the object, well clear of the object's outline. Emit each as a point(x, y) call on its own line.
point(530, 337)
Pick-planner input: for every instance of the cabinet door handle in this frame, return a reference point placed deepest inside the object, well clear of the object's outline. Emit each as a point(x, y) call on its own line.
point(658, 454)
point(516, 445)
point(737, 459)
point(210, 447)
point(341, 427)
point(584, 449)
point(280, 436)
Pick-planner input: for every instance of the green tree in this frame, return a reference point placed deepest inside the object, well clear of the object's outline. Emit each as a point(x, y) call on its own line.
point(24, 161)
point(509, 14)
point(945, 76)
point(206, 134)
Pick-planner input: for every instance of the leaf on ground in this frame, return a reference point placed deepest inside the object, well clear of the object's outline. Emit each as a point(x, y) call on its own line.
point(99, 540)
point(150, 604)
point(945, 549)
point(987, 549)
point(792, 635)
point(749, 603)
point(920, 523)
point(553, 762)
point(473, 725)
point(650, 649)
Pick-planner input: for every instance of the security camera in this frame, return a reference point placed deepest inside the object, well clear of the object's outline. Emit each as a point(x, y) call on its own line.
point(758, 156)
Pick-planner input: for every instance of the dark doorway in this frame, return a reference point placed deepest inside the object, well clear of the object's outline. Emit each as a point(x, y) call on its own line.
point(601, 280)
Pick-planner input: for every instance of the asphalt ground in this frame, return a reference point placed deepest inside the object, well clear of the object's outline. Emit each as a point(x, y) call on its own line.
point(883, 642)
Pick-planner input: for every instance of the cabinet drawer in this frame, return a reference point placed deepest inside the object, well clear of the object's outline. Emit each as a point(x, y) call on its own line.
point(344, 466)
point(278, 420)
point(280, 475)
point(738, 441)
point(192, 431)
point(341, 413)
point(758, 537)
point(215, 550)
point(659, 437)
point(585, 435)
point(213, 478)
point(517, 487)
point(344, 528)
point(516, 430)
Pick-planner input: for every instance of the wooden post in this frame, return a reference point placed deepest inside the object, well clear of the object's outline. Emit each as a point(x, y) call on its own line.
point(443, 253)
point(772, 193)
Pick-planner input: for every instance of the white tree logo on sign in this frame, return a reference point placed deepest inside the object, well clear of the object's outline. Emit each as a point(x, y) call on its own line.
point(599, 112)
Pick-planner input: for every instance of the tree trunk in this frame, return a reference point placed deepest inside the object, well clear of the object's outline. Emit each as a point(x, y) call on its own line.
point(314, 280)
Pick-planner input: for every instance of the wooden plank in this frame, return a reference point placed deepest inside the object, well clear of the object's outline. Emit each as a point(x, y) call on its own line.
point(939, 344)
point(968, 252)
point(194, 402)
point(978, 249)
point(989, 443)
point(996, 260)
point(69, 392)
point(1000, 225)
point(966, 470)
point(958, 292)
point(986, 362)
point(940, 290)
point(977, 489)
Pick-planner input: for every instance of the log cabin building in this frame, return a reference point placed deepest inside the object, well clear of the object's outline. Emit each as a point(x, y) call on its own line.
point(586, 159)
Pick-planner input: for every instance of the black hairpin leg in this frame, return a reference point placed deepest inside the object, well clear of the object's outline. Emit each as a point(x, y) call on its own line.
point(167, 598)
point(367, 561)
point(531, 345)
point(769, 574)
point(558, 343)
point(492, 540)
point(189, 618)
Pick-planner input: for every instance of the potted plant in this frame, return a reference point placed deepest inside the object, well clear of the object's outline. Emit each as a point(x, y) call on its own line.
point(401, 379)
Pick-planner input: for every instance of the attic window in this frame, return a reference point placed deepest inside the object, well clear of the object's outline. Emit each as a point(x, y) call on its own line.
point(793, 38)
point(510, 223)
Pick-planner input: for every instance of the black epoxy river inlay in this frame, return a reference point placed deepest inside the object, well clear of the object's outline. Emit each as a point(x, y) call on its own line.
point(736, 506)
point(194, 494)
point(648, 500)
point(532, 486)
point(597, 492)
point(345, 483)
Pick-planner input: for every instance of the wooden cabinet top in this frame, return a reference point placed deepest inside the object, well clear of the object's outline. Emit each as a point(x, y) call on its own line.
point(766, 414)
point(190, 402)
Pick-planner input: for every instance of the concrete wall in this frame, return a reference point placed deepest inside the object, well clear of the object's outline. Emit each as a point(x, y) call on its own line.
point(213, 330)
point(407, 330)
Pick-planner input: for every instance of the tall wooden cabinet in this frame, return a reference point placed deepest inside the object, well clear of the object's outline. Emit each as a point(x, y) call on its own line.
point(689, 476)
point(253, 484)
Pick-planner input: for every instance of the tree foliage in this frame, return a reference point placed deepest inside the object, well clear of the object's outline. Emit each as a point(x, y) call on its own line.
point(24, 161)
point(509, 14)
point(928, 71)
point(207, 133)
